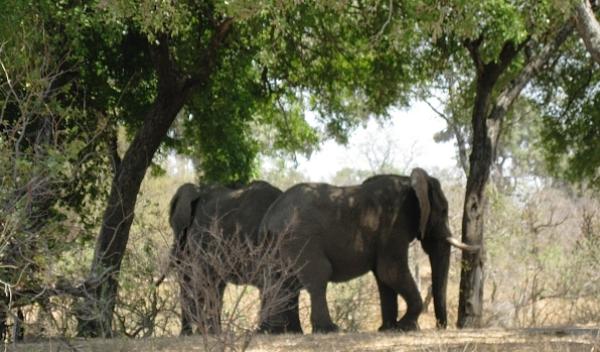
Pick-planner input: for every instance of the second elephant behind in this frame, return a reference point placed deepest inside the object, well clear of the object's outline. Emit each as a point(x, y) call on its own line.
point(221, 223)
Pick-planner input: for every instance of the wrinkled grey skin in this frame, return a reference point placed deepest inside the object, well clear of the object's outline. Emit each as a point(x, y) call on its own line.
point(339, 233)
point(239, 211)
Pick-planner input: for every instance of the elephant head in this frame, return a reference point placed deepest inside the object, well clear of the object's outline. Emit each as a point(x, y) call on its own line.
point(181, 210)
point(435, 236)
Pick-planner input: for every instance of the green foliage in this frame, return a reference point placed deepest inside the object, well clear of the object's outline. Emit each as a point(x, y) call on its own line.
point(342, 62)
point(494, 24)
point(571, 108)
point(217, 131)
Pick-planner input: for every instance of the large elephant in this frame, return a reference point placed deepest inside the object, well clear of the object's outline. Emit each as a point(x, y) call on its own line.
point(193, 211)
point(338, 233)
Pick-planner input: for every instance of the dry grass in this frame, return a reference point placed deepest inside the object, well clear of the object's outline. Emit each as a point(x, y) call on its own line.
point(558, 339)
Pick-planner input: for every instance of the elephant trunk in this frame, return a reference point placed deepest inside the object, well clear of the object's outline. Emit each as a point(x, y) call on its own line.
point(439, 258)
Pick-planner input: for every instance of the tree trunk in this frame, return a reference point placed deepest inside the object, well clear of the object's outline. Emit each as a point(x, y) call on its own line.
point(588, 28)
point(96, 319)
point(471, 278)
point(485, 132)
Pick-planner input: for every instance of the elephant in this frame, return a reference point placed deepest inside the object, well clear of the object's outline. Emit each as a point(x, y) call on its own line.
point(335, 234)
point(239, 212)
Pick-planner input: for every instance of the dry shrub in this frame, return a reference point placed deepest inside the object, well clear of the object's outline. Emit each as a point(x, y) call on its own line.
point(542, 260)
point(209, 261)
point(143, 309)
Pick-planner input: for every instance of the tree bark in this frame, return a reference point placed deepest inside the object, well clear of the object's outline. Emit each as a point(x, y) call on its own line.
point(487, 126)
point(96, 312)
point(471, 279)
point(588, 28)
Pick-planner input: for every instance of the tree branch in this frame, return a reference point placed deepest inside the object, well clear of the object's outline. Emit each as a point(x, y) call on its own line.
point(508, 95)
point(472, 46)
point(588, 28)
point(209, 59)
point(463, 159)
point(19, 298)
point(488, 73)
point(163, 64)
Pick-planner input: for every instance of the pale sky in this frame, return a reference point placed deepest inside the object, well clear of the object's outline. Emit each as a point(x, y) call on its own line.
point(409, 133)
point(407, 136)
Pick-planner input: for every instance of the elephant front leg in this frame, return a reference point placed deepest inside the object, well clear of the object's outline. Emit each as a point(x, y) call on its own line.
point(319, 312)
point(396, 275)
point(389, 306)
point(286, 321)
point(407, 288)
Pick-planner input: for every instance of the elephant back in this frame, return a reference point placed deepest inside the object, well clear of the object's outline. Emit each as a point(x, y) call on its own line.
point(237, 211)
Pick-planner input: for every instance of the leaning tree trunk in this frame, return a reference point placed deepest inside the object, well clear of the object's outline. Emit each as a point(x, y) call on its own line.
point(96, 317)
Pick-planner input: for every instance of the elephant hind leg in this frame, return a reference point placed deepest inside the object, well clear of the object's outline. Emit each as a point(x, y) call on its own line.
point(315, 275)
point(189, 309)
point(292, 314)
point(212, 307)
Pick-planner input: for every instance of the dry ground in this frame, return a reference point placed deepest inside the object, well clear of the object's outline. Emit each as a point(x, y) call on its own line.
point(572, 339)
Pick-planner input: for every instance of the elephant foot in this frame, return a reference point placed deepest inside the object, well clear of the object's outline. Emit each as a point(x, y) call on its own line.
point(272, 328)
point(388, 326)
point(407, 325)
point(294, 330)
point(325, 329)
point(267, 329)
point(279, 328)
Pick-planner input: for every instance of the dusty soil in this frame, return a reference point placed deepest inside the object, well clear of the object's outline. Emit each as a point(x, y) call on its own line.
point(542, 339)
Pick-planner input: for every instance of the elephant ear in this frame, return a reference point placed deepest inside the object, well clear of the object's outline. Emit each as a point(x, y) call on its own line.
point(182, 207)
point(420, 184)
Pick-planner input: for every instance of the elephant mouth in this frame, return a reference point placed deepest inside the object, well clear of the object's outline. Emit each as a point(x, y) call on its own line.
point(465, 247)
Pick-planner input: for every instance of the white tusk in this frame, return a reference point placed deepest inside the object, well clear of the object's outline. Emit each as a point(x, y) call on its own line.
point(465, 247)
